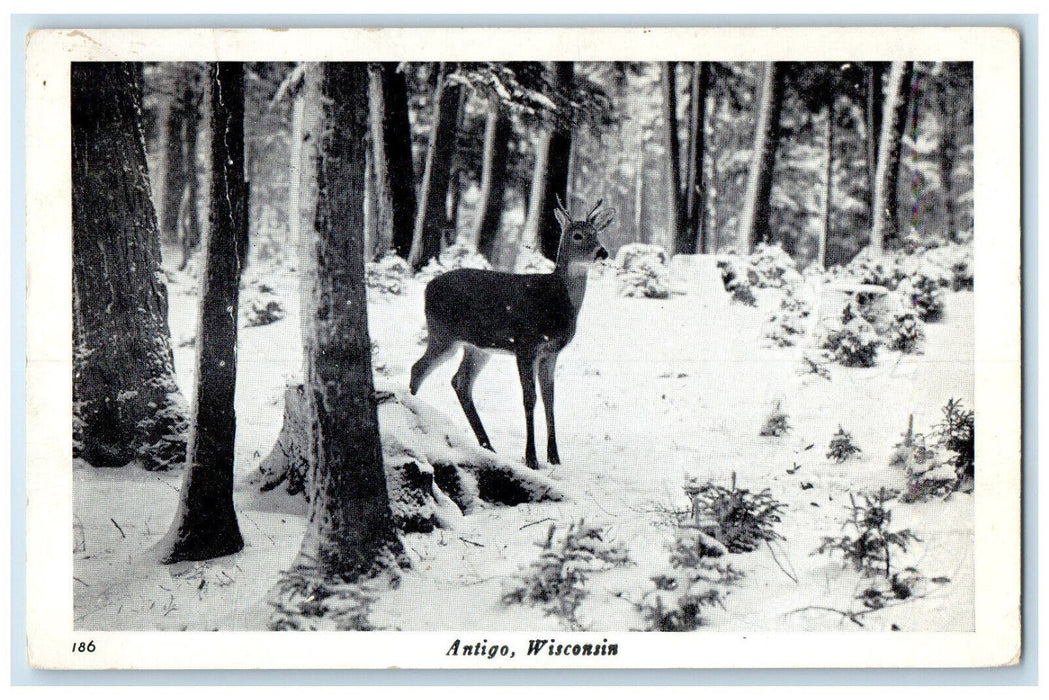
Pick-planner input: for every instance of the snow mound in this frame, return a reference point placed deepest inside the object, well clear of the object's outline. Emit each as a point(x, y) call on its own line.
point(452, 258)
point(531, 261)
point(434, 473)
point(388, 274)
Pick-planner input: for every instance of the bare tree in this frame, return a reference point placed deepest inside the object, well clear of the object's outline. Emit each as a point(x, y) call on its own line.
point(350, 525)
point(676, 230)
point(493, 177)
point(550, 177)
point(392, 157)
point(694, 179)
point(432, 215)
point(754, 219)
point(126, 402)
point(888, 140)
point(205, 525)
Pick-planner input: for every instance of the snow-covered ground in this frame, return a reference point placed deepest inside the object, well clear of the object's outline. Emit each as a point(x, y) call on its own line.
point(650, 394)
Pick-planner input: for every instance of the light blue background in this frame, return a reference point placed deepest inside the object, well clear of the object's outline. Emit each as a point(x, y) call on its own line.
point(1024, 674)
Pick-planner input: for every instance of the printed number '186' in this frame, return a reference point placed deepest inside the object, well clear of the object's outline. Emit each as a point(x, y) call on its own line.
point(84, 646)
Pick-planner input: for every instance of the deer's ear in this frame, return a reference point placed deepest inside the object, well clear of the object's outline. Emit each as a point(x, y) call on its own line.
point(562, 219)
point(603, 219)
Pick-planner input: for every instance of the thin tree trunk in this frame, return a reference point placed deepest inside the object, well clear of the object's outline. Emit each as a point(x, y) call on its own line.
point(392, 157)
point(640, 230)
point(493, 178)
point(754, 221)
point(677, 235)
point(205, 525)
point(372, 241)
point(694, 184)
point(873, 115)
point(550, 177)
point(432, 214)
point(884, 188)
point(350, 525)
point(189, 219)
point(902, 117)
point(455, 181)
point(295, 170)
point(125, 399)
point(828, 184)
point(947, 151)
point(173, 134)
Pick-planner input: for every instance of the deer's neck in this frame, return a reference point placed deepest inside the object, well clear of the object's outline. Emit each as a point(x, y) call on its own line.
point(573, 274)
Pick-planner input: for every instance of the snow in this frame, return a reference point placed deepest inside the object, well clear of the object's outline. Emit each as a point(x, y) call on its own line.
point(650, 394)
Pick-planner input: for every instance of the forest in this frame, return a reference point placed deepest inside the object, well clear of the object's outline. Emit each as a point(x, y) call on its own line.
point(770, 377)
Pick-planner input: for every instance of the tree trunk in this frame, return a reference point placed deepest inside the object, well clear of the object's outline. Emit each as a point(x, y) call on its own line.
point(898, 214)
point(886, 174)
point(432, 214)
point(550, 177)
point(392, 156)
point(873, 117)
point(455, 181)
point(640, 230)
point(126, 402)
point(205, 525)
point(677, 235)
point(189, 218)
point(694, 184)
point(828, 183)
point(173, 136)
point(350, 525)
point(493, 178)
point(295, 170)
point(757, 204)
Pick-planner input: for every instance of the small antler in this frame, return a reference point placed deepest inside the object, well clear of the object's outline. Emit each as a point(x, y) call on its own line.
point(561, 206)
point(594, 210)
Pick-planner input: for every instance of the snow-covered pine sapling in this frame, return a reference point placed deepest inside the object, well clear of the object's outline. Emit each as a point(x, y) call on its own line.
point(736, 517)
point(679, 596)
point(854, 344)
point(905, 333)
point(557, 580)
point(531, 316)
point(776, 423)
point(388, 274)
point(957, 433)
point(869, 544)
point(841, 446)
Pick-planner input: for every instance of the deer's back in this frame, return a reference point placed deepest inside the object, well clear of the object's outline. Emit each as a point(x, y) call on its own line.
point(500, 310)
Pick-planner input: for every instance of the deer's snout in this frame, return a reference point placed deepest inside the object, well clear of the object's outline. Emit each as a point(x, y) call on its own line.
point(601, 253)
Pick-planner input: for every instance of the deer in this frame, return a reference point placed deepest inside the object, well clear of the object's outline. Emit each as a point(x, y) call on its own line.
point(532, 316)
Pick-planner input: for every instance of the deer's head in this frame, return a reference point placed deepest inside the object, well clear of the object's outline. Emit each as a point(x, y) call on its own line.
point(579, 241)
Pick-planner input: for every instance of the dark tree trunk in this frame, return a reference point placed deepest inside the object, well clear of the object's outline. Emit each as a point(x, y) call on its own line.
point(173, 135)
point(493, 178)
point(903, 105)
point(875, 103)
point(126, 402)
point(694, 184)
point(757, 206)
point(433, 198)
point(558, 158)
point(189, 218)
point(350, 524)
point(455, 180)
point(828, 183)
point(676, 231)
point(205, 525)
point(888, 144)
point(392, 156)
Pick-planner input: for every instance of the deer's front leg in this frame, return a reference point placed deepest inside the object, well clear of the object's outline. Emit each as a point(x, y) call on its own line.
point(545, 366)
point(526, 368)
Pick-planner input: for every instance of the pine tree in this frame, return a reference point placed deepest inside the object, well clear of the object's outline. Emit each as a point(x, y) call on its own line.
point(126, 401)
point(205, 525)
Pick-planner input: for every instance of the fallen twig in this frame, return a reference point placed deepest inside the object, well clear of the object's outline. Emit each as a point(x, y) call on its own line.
point(534, 522)
point(122, 535)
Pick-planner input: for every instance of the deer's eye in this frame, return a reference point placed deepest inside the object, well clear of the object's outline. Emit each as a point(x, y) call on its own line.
point(577, 237)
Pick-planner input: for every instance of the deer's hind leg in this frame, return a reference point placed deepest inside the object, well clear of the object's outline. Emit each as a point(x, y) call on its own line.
point(473, 362)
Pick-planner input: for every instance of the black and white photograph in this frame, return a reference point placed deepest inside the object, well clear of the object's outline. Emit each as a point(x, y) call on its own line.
point(325, 311)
